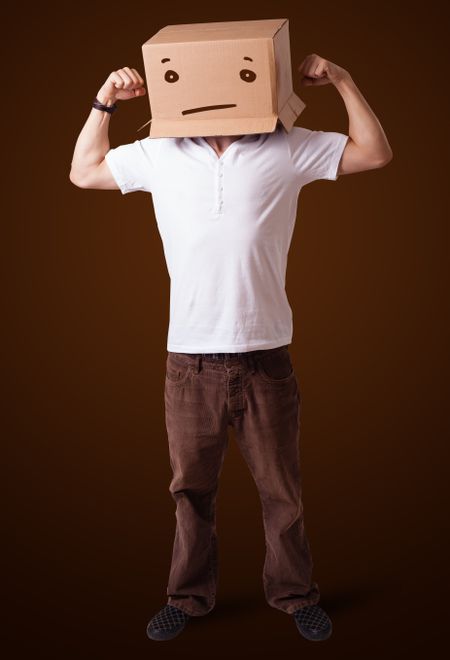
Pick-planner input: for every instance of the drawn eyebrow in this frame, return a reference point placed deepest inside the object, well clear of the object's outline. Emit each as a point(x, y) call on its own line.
point(167, 59)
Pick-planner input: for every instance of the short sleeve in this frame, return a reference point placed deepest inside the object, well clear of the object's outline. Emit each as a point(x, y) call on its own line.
point(315, 154)
point(132, 166)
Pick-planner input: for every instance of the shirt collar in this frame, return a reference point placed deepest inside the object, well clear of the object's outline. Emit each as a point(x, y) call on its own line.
point(245, 139)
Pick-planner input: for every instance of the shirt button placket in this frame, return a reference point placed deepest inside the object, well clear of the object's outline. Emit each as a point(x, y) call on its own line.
point(220, 187)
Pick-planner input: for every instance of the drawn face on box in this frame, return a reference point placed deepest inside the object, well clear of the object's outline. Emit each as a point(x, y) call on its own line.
point(220, 79)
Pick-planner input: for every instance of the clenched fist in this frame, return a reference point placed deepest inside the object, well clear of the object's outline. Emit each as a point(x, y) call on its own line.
point(122, 85)
point(315, 70)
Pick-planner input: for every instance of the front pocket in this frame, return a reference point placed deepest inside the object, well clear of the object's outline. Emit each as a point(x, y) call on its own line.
point(176, 372)
point(276, 367)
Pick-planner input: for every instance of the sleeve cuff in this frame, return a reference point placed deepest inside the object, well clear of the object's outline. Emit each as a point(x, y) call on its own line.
point(336, 157)
point(116, 173)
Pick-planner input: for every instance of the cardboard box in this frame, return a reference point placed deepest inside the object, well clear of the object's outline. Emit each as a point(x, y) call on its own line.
point(230, 78)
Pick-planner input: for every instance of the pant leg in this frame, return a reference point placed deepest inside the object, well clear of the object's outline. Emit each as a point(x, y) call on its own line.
point(267, 433)
point(197, 435)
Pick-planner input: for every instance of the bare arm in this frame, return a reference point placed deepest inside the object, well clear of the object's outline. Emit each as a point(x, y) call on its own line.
point(367, 147)
point(89, 168)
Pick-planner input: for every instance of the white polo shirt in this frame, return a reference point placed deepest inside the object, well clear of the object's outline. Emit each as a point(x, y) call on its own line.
point(226, 225)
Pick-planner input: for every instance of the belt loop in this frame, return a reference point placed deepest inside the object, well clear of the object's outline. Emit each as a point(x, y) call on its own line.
point(252, 364)
point(198, 363)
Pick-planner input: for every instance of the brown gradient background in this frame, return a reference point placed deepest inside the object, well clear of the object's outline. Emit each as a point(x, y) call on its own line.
point(85, 313)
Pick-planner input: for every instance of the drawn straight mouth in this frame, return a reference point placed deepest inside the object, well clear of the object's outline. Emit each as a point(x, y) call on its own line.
point(208, 107)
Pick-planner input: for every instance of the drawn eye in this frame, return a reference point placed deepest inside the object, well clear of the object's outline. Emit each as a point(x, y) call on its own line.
point(171, 76)
point(247, 75)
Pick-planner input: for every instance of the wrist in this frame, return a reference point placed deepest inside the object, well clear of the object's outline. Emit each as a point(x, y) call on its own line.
point(106, 99)
point(344, 83)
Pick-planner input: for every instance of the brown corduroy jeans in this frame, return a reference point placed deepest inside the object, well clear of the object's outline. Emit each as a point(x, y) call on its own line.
point(257, 393)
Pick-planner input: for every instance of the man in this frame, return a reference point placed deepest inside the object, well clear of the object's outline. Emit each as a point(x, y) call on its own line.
point(226, 209)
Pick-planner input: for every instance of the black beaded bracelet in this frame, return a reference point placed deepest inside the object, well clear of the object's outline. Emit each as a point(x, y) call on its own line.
point(106, 108)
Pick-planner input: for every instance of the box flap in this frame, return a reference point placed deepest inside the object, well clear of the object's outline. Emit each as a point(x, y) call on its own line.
point(291, 110)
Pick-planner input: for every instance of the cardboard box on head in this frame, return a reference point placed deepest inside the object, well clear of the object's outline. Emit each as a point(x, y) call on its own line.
point(230, 78)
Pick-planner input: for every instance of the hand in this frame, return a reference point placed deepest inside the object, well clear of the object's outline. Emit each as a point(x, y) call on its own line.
point(122, 85)
point(315, 70)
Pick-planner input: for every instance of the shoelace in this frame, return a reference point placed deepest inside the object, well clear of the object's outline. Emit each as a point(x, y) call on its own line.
point(169, 617)
point(312, 617)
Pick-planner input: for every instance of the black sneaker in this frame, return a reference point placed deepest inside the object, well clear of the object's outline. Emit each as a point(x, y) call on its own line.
point(312, 622)
point(167, 623)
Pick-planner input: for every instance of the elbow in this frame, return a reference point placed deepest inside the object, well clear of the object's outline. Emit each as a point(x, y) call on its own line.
point(385, 158)
point(75, 180)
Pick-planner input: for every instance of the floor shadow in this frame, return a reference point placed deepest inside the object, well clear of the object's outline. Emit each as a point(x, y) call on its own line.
point(334, 601)
point(350, 597)
point(230, 607)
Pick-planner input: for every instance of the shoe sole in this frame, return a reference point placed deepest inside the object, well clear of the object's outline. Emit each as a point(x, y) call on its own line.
point(162, 636)
point(314, 638)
